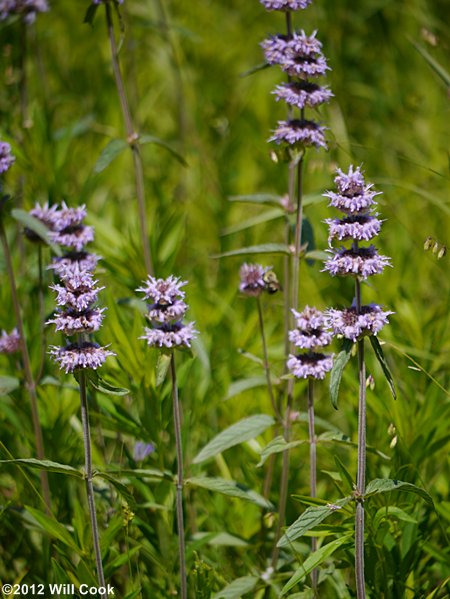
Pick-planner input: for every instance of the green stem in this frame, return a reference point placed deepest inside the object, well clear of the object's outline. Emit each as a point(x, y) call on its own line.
point(180, 479)
point(88, 480)
point(31, 385)
point(266, 360)
point(312, 467)
point(133, 140)
point(361, 471)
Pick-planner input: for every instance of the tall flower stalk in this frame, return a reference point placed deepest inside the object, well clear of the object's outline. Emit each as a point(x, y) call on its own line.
point(131, 133)
point(6, 161)
point(300, 57)
point(78, 316)
point(356, 200)
point(166, 310)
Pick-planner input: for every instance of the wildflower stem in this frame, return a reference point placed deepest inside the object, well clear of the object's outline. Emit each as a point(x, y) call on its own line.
point(312, 466)
point(31, 385)
point(133, 140)
point(89, 476)
point(361, 471)
point(266, 360)
point(180, 479)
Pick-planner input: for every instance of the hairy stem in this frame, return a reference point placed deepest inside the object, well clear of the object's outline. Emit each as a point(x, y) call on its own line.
point(133, 140)
point(89, 476)
point(266, 360)
point(361, 472)
point(30, 383)
point(312, 466)
point(180, 479)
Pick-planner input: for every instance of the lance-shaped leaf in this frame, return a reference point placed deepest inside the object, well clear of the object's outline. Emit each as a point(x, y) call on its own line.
point(277, 445)
point(35, 225)
point(245, 429)
point(237, 588)
point(8, 384)
point(53, 528)
point(338, 368)
point(109, 153)
point(310, 518)
point(314, 560)
point(230, 488)
point(162, 366)
point(384, 366)
point(96, 381)
point(151, 139)
point(47, 465)
point(385, 485)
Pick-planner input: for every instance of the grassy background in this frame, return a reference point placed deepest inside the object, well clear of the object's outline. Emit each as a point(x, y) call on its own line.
point(185, 66)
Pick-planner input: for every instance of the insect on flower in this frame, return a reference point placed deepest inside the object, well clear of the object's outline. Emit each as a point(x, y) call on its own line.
point(271, 282)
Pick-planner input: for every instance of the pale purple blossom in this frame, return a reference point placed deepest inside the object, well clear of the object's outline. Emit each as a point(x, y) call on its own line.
point(167, 298)
point(73, 262)
point(299, 132)
point(6, 157)
point(46, 214)
point(9, 343)
point(299, 55)
point(285, 4)
point(302, 94)
point(359, 227)
point(74, 236)
point(79, 291)
point(252, 279)
point(142, 450)
point(73, 322)
point(75, 357)
point(310, 365)
point(353, 325)
point(359, 262)
point(305, 66)
point(275, 48)
point(170, 335)
point(26, 8)
point(311, 329)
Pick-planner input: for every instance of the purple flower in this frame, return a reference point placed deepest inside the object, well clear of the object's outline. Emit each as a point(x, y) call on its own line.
point(73, 262)
point(142, 450)
point(359, 262)
point(299, 132)
point(10, 344)
point(103, 1)
point(353, 196)
point(76, 236)
point(75, 357)
point(310, 365)
point(302, 94)
point(167, 298)
point(310, 332)
point(74, 322)
point(252, 279)
point(6, 157)
point(360, 227)
point(27, 8)
point(299, 55)
point(46, 214)
point(170, 335)
point(285, 4)
point(79, 291)
point(275, 48)
point(353, 325)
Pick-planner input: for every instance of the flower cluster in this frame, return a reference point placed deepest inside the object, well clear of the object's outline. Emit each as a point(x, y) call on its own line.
point(25, 8)
point(6, 157)
point(356, 200)
point(166, 309)
point(9, 344)
point(300, 57)
point(256, 278)
point(77, 292)
point(310, 334)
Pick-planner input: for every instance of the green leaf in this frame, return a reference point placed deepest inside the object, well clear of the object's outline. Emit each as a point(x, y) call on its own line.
point(314, 560)
point(241, 385)
point(277, 445)
point(264, 248)
point(162, 366)
point(255, 69)
point(90, 14)
point(230, 488)
point(53, 528)
point(338, 368)
point(237, 588)
point(151, 139)
point(439, 69)
point(310, 518)
point(47, 465)
point(316, 255)
point(96, 381)
point(345, 474)
point(241, 431)
point(119, 486)
point(109, 153)
point(257, 198)
point(8, 384)
point(384, 366)
point(251, 222)
point(385, 485)
point(35, 225)
point(141, 473)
